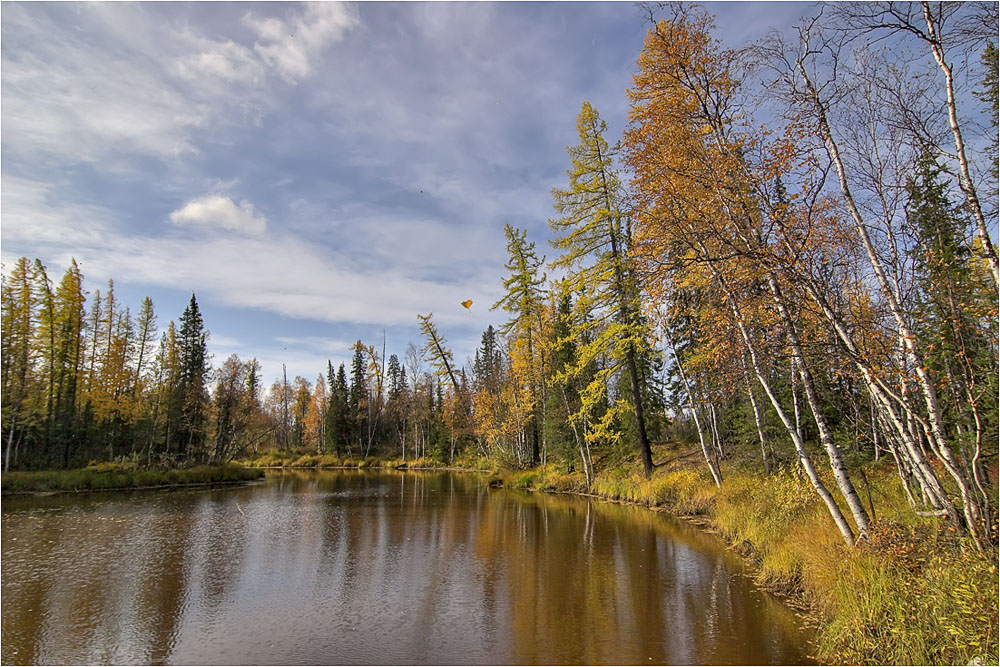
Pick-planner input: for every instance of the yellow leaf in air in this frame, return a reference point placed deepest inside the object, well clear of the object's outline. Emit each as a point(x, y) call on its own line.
point(467, 304)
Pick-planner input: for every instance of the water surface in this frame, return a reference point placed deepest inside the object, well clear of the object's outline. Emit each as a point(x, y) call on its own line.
point(338, 567)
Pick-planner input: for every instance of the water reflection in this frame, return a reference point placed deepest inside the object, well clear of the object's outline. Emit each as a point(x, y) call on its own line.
point(368, 568)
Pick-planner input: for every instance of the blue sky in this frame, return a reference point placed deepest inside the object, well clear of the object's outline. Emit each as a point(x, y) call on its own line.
point(315, 172)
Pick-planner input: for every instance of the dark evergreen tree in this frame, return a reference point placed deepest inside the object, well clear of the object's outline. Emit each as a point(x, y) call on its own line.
point(488, 365)
point(396, 377)
point(564, 399)
point(358, 397)
point(340, 413)
point(954, 310)
point(191, 393)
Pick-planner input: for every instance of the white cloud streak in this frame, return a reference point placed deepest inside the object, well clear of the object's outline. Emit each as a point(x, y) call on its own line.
point(279, 273)
point(122, 83)
point(291, 45)
point(226, 60)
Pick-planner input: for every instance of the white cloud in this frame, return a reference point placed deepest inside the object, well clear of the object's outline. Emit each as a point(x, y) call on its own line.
point(282, 274)
point(219, 210)
point(33, 212)
point(88, 88)
point(107, 84)
point(226, 60)
point(290, 45)
point(84, 106)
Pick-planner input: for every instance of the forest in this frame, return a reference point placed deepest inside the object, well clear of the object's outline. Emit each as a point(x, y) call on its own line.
point(786, 259)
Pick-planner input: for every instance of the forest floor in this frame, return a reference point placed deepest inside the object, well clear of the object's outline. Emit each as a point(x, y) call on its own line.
point(122, 476)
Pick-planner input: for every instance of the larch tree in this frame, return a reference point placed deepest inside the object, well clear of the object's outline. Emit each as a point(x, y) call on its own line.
point(523, 301)
point(593, 236)
point(436, 351)
point(70, 316)
point(19, 324)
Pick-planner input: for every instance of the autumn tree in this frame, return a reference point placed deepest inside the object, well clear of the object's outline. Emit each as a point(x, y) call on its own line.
point(810, 77)
point(523, 302)
point(68, 359)
point(235, 407)
point(19, 324)
point(593, 236)
point(698, 190)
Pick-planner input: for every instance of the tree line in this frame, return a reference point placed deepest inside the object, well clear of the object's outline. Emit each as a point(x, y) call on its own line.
point(102, 383)
point(816, 289)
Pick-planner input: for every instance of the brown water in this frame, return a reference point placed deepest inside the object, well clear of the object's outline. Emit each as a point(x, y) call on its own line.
point(373, 568)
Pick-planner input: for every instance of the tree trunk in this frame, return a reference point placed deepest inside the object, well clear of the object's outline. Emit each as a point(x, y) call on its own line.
point(756, 413)
point(936, 436)
point(804, 459)
point(825, 434)
point(965, 179)
point(712, 466)
point(10, 442)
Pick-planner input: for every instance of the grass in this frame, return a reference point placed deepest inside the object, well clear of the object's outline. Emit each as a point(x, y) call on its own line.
point(122, 476)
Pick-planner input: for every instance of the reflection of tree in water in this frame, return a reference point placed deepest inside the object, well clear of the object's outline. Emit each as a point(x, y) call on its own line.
point(348, 566)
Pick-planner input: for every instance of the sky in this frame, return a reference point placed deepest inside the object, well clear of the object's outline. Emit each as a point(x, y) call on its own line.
point(316, 173)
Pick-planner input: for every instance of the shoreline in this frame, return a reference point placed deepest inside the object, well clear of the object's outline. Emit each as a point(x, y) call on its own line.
point(867, 604)
point(120, 477)
point(793, 594)
point(183, 485)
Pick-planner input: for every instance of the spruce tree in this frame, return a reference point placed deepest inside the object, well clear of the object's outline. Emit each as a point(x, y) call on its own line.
point(358, 397)
point(954, 310)
point(191, 388)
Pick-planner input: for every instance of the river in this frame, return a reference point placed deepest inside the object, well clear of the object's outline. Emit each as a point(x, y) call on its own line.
point(348, 567)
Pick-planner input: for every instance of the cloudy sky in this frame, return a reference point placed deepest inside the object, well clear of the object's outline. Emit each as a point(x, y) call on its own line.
point(316, 173)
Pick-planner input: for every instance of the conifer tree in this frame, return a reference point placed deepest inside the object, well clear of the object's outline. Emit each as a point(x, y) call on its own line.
point(342, 427)
point(193, 374)
point(70, 314)
point(19, 324)
point(358, 397)
point(523, 301)
point(437, 353)
point(593, 236)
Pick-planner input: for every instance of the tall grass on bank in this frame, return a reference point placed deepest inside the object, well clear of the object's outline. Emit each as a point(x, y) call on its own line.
point(122, 476)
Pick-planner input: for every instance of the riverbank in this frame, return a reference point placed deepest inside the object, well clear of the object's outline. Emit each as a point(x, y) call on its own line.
point(277, 460)
point(913, 593)
point(122, 476)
